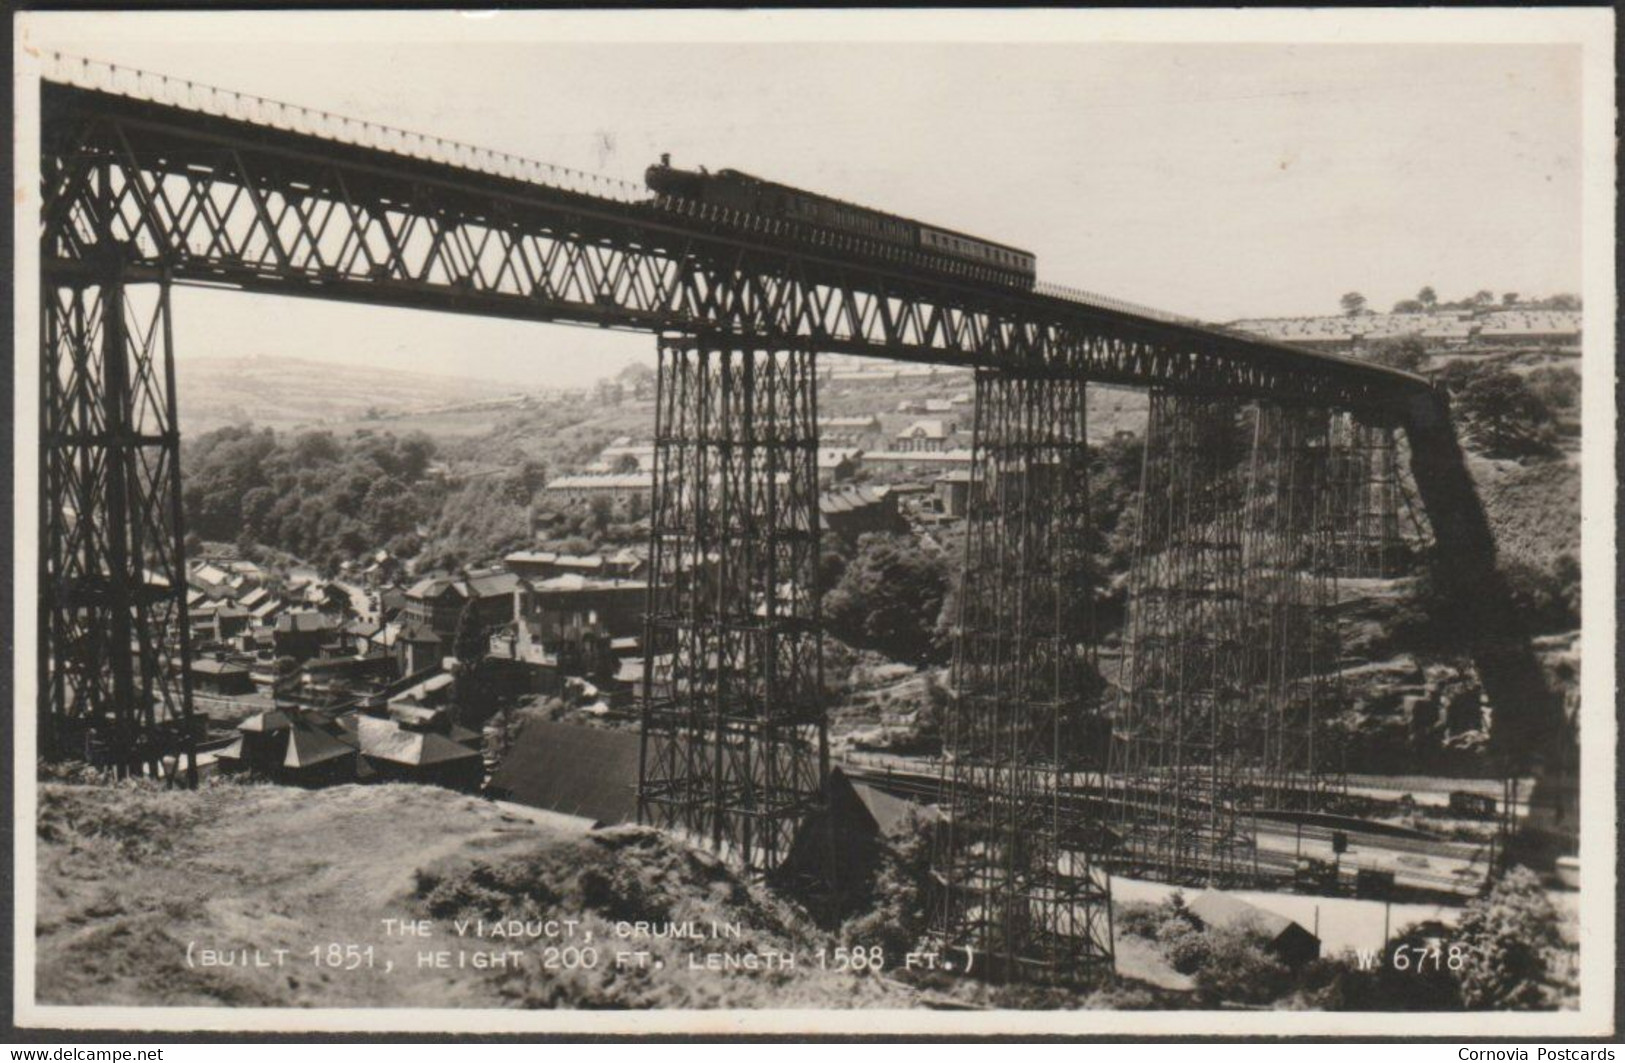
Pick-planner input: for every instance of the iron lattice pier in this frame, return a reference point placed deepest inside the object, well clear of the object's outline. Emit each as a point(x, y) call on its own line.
point(113, 628)
point(1221, 703)
point(1291, 593)
point(735, 749)
point(1180, 729)
point(1365, 487)
point(1230, 681)
point(1019, 888)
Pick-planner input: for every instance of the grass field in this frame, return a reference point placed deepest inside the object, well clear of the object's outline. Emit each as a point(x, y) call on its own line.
point(134, 883)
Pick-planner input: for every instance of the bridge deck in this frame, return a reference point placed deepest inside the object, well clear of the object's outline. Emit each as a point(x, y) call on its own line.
point(264, 196)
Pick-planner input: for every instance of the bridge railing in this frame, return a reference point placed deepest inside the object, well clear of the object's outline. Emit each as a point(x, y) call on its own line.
point(244, 107)
point(195, 96)
point(1107, 302)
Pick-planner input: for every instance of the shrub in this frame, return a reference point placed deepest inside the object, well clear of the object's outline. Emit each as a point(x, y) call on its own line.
point(1505, 418)
point(898, 911)
point(888, 599)
point(1400, 352)
point(1516, 951)
point(1237, 968)
point(1138, 919)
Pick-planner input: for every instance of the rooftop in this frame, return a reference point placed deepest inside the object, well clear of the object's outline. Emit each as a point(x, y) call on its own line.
point(847, 499)
point(1222, 910)
point(607, 481)
point(930, 428)
point(578, 771)
point(303, 622)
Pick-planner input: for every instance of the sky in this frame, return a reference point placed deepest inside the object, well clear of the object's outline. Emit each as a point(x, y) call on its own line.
point(1216, 180)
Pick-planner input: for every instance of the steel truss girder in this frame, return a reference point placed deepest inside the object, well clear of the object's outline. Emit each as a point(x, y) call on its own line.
point(222, 201)
point(114, 635)
point(734, 743)
point(1015, 855)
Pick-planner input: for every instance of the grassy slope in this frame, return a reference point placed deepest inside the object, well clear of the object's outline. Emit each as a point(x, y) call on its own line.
point(1534, 508)
point(284, 392)
point(129, 877)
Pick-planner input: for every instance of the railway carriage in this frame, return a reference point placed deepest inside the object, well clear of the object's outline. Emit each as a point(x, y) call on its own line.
point(888, 236)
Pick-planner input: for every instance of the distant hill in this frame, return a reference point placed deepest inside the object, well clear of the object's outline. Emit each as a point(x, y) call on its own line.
point(284, 392)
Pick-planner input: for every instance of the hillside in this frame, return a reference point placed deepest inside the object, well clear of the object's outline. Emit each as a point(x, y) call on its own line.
point(129, 877)
point(1534, 508)
point(285, 392)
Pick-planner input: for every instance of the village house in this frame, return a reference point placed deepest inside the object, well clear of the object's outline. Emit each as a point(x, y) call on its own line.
point(837, 464)
point(851, 511)
point(492, 592)
point(627, 488)
point(934, 435)
point(220, 621)
point(303, 635)
point(417, 646)
point(952, 491)
point(220, 677)
point(437, 602)
point(958, 457)
point(531, 564)
point(860, 425)
point(571, 622)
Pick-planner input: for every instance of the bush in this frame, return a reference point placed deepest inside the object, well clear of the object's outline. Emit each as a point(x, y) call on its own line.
point(1137, 919)
point(1178, 935)
point(1400, 352)
point(1505, 418)
point(1558, 386)
point(1516, 952)
point(889, 597)
point(1546, 596)
point(1237, 968)
point(898, 910)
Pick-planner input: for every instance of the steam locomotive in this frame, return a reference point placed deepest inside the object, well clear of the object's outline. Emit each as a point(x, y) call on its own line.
point(886, 235)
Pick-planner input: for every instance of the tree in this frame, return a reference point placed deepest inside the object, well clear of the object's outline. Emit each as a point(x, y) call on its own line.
point(1353, 303)
point(1400, 352)
point(639, 379)
point(1509, 298)
point(1428, 297)
point(1408, 306)
point(1458, 374)
point(1564, 302)
point(898, 906)
point(1513, 947)
point(1483, 297)
point(469, 646)
point(1238, 969)
point(1505, 418)
point(1557, 386)
point(889, 597)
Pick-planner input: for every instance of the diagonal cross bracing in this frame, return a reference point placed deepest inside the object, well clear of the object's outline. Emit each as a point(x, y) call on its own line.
point(1015, 852)
point(113, 627)
point(1291, 580)
point(223, 200)
point(1183, 718)
point(735, 751)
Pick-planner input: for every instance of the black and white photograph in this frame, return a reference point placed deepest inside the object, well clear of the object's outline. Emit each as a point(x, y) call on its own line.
point(823, 523)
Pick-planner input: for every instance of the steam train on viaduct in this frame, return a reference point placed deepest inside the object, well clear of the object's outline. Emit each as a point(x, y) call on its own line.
point(809, 215)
